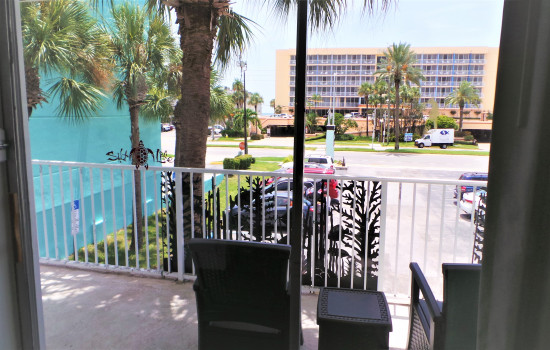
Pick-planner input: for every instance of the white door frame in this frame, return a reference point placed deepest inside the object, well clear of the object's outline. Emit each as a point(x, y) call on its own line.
point(21, 225)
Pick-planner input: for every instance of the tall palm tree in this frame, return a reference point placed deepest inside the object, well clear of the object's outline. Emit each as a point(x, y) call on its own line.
point(316, 98)
point(141, 47)
point(378, 96)
point(238, 93)
point(365, 90)
point(465, 94)
point(220, 102)
point(255, 99)
point(61, 39)
point(397, 66)
point(272, 103)
point(206, 26)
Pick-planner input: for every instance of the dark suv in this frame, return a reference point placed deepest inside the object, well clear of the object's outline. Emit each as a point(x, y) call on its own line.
point(459, 191)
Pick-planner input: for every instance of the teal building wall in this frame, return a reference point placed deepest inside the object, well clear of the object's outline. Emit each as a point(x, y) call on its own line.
point(54, 138)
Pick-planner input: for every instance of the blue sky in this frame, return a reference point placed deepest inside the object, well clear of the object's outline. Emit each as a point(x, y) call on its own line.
point(417, 22)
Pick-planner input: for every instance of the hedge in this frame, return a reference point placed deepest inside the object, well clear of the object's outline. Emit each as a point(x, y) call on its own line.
point(242, 162)
point(231, 163)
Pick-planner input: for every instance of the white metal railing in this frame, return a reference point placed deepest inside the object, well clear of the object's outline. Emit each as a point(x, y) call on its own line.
point(407, 219)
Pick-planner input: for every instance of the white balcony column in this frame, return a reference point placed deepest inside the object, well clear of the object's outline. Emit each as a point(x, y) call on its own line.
point(514, 310)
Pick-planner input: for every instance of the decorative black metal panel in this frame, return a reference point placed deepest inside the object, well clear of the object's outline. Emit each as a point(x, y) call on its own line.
point(341, 240)
point(479, 219)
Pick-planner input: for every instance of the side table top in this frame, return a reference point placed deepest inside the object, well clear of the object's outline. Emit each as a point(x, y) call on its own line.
point(353, 306)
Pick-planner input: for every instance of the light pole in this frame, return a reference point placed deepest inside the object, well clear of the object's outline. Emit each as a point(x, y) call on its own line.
point(373, 124)
point(329, 141)
point(242, 64)
point(386, 121)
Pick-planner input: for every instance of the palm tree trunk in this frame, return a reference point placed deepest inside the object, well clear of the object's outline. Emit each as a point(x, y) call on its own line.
point(138, 220)
point(461, 116)
point(367, 109)
point(197, 25)
point(396, 115)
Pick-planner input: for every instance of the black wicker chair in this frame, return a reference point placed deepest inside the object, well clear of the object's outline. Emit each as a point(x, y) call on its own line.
point(449, 325)
point(241, 293)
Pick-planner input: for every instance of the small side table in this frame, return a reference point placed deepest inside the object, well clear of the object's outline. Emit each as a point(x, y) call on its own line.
point(353, 319)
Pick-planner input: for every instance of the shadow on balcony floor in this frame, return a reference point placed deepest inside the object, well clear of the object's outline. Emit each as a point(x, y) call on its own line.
point(93, 310)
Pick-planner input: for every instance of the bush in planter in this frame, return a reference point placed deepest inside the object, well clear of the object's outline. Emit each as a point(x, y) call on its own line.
point(469, 137)
point(453, 112)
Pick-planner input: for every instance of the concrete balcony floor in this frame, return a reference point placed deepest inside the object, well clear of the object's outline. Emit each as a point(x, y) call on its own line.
point(93, 310)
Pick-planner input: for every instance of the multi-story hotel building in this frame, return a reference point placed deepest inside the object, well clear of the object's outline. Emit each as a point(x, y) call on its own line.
point(336, 74)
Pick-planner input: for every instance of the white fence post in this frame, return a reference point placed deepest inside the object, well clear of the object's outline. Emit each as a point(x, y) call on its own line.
point(179, 225)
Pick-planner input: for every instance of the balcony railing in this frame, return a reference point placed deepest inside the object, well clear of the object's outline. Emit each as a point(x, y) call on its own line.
point(362, 233)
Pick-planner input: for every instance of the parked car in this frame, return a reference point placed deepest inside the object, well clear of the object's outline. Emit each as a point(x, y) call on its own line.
point(459, 191)
point(166, 127)
point(273, 212)
point(314, 168)
point(321, 159)
point(467, 202)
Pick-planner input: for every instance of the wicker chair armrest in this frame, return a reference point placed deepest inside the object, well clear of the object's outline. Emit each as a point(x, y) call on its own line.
point(420, 282)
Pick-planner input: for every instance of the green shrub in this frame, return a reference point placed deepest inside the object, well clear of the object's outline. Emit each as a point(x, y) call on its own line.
point(244, 161)
point(256, 136)
point(463, 133)
point(443, 122)
point(416, 136)
point(318, 137)
point(343, 137)
point(231, 163)
point(232, 133)
point(468, 137)
point(391, 138)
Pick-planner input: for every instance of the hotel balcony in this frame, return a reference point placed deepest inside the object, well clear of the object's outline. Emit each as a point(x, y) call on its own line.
point(116, 300)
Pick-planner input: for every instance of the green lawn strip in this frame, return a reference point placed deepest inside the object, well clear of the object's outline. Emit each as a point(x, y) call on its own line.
point(121, 250)
point(448, 151)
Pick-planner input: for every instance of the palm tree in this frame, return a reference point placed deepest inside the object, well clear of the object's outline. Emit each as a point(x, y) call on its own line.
point(311, 122)
point(220, 101)
point(365, 90)
point(61, 39)
point(465, 94)
point(316, 98)
point(238, 93)
point(272, 104)
point(207, 27)
point(378, 96)
point(255, 99)
point(397, 66)
point(141, 47)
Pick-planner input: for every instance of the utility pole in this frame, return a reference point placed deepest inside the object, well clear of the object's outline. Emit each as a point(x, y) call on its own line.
point(242, 64)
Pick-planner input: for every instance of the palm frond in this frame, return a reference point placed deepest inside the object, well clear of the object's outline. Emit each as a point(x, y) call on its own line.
point(234, 35)
point(78, 100)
